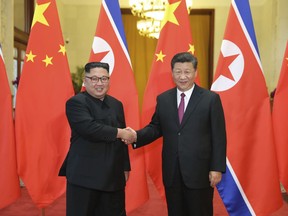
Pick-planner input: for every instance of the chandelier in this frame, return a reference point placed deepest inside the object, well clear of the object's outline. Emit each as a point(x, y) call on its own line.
point(151, 13)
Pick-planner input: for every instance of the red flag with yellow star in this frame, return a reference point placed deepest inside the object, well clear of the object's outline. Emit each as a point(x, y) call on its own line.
point(280, 121)
point(9, 181)
point(175, 36)
point(42, 130)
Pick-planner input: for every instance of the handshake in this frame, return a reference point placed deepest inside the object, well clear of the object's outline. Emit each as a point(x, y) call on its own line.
point(127, 135)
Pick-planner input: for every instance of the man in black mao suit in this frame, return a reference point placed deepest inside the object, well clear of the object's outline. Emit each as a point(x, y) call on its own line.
point(97, 164)
point(194, 151)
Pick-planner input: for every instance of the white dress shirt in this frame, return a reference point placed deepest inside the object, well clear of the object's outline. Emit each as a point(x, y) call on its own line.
point(186, 98)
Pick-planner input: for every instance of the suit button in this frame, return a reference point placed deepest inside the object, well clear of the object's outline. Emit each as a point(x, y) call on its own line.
point(179, 134)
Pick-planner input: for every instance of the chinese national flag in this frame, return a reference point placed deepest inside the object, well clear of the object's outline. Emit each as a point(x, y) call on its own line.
point(109, 45)
point(250, 185)
point(42, 130)
point(9, 181)
point(280, 121)
point(175, 37)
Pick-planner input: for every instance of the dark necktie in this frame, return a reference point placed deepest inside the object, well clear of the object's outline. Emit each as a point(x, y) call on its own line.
point(181, 108)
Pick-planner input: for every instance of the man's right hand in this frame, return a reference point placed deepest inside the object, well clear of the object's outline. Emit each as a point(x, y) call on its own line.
point(127, 135)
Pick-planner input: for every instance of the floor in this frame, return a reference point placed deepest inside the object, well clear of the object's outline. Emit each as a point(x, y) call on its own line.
point(153, 207)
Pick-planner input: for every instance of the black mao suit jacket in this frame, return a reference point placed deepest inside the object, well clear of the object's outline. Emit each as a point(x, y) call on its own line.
point(96, 159)
point(199, 142)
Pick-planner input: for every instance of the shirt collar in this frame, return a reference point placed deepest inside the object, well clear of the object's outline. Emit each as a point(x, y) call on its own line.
point(187, 93)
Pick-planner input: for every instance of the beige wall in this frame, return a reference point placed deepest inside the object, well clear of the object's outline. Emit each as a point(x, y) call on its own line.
point(270, 19)
point(271, 26)
point(269, 16)
point(79, 24)
point(6, 35)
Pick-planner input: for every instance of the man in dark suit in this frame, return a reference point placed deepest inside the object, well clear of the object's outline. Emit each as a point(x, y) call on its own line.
point(194, 145)
point(97, 164)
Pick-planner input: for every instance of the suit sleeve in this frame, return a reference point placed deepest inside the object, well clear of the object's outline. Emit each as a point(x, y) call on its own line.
point(150, 132)
point(218, 160)
point(81, 121)
point(127, 166)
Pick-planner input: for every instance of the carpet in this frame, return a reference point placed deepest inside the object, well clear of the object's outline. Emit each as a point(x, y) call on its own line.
point(153, 207)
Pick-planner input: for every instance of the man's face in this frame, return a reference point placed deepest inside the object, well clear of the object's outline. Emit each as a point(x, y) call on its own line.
point(93, 83)
point(184, 75)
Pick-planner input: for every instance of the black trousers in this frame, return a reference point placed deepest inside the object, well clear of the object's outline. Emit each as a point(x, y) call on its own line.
point(82, 201)
point(184, 201)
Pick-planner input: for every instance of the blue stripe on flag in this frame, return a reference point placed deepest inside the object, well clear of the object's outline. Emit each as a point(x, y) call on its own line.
point(115, 12)
point(231, 195)
point(246, 16)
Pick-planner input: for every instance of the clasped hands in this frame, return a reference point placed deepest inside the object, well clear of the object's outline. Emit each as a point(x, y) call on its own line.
point(128, 135)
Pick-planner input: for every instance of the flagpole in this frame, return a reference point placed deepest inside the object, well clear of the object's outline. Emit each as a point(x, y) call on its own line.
point(43, 212)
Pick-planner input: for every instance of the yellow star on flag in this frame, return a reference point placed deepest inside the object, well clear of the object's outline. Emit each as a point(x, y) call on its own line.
point(169, 14)
point(160, 56)
point(62, 49)
point(39, 14)
point(47, 60)
point(191, 49)
point(30, 56)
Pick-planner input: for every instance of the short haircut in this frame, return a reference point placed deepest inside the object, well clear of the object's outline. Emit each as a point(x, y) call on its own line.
point(184, 57)
point(92, 65)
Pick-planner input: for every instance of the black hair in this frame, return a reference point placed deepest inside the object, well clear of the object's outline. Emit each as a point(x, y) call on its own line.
point(184, 57)
point(91, 65)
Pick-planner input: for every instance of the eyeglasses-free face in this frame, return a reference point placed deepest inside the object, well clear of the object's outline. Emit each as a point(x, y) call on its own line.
point(184, 75)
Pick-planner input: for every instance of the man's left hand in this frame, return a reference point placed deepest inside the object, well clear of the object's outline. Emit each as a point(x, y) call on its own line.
point(214, 178)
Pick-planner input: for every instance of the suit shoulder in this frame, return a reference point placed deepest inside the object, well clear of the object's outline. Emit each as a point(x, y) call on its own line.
point(78, 97)
point(168, 92)
point(112, 99)
point(207, 92)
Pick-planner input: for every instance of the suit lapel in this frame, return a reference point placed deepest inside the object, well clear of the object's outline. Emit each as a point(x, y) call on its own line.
point(173, 98)
point(194, 100)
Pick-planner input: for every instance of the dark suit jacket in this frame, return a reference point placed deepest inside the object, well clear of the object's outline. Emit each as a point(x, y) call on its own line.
point(96, 159)
point(199, 142)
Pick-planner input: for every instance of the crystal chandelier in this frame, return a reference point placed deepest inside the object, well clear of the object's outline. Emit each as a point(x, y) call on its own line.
point(149, 27)
point(151, 13)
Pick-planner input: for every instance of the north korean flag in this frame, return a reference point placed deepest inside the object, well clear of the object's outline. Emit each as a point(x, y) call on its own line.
point(250, 185)
point(109, 45)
